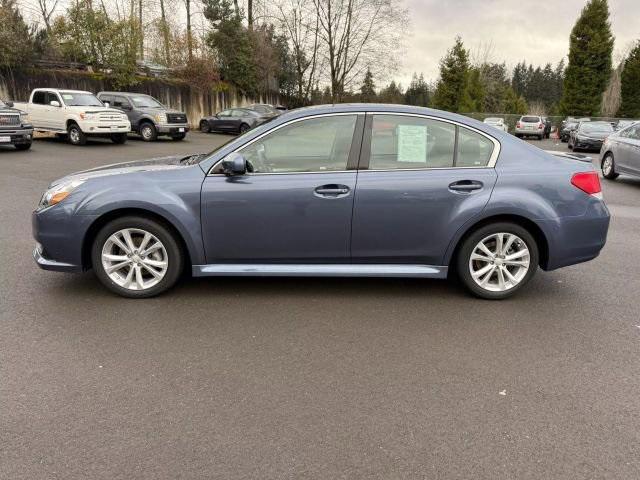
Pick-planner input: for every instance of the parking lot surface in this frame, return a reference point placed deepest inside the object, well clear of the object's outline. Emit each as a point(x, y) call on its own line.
point(312, 378)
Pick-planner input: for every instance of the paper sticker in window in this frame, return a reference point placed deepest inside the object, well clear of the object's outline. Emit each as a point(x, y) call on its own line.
point(412, 143)
point(67, 96)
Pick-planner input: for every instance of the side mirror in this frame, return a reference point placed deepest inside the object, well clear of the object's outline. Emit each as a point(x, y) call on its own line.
point(9, 103)
point(106, 104)
point(54, 103)
point(234, 164)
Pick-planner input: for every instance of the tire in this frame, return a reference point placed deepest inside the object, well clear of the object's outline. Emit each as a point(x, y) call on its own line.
point(243, 128)
point(609, 172)
point(119, 138)
point(23, 146)
point(205, 127)
point(148, 132)
point(179, 137)
point(75, 135)
point(541, 137)
point(493, 289)
point(518, 135)
point(125, 281)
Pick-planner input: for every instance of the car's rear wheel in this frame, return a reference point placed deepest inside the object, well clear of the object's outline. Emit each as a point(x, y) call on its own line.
point(243, 128)
point(148, 132)
point(136, 257)
point(205, 127)
point(609, 167)
point(497, 260)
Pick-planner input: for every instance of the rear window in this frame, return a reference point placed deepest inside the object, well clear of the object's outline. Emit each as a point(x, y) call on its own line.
point(531, 119)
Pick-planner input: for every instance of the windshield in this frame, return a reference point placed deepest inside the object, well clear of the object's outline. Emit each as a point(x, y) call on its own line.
point(591, 127)
point(263, 109)
point(571, 125)
point(493, 120)
point(531, 119)
point(78, 99)
point(145, 101)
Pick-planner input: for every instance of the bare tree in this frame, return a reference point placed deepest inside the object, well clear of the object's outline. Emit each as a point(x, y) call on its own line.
point(357, 33)
point(189, 33)
point(301, 27)
point(47, 9)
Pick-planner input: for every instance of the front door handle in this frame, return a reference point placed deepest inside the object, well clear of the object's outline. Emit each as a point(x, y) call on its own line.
point(465, 186)
point(332, 190)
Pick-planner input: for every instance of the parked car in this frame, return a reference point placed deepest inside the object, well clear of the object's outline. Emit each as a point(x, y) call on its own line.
point(589, 135)
point(149, 118)
point(76, 114)
point(497, 122)
point(622, 124)
point(15, 127)
point(620, 153)
point(234, 120)
point(530, 125)
point(326, 191)
point(265, 110)
point(567, 128)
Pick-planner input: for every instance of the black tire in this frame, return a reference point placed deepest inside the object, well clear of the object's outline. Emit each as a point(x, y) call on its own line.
point(612, 174)
point(540, 137)
point(23, 146)
point(471, 241)
point(205, 127)
point(179, 137)
point(243, 128)
point(119, 138)
point(75, 135)
point(563, 139)
point(517, 135)
point(148, 132)
point(175, 256)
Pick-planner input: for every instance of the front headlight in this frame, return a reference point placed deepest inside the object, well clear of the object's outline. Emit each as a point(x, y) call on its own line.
point(24, 117)
point(88, 116)
point(58, 193)
point(160, 117)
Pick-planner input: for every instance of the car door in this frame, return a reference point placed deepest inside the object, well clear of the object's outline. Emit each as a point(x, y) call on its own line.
point(420, 180)
point(55, 115)
point(39, 105)
point(623, 150)
point(123, 104)
point(633, 150)
point(221, 121)
point(296, 205)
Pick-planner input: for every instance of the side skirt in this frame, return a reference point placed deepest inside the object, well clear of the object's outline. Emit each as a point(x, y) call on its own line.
point(299, 270)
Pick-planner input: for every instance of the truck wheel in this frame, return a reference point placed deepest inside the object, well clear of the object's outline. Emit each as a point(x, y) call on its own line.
point(23, 146)
point(148, 132)
point(119, 138)
point(205, 127)
point(76, 135)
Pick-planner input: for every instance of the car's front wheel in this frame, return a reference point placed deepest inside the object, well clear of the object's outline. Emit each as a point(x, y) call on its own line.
point(136, 257)
point(205, 127)
point(75, 135)
point(497, 260)
point(148, 132)
point(23, 146)
point(119, 138)
point(609, 167)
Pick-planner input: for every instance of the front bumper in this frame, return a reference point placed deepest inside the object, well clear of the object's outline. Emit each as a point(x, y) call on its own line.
point(91, 127)
point(16, 136)
point(588, 144)
point(60, 235)
point(172, 128)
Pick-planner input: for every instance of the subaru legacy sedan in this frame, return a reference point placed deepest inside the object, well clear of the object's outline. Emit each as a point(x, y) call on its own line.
point(344, 190)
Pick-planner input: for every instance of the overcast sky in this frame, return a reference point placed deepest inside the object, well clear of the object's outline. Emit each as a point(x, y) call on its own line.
point(535, 31)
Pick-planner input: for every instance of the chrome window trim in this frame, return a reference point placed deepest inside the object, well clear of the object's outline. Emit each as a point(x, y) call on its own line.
point(491, 164)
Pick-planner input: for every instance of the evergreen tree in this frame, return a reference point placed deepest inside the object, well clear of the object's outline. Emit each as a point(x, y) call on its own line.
point(453, 78)
point(519, 80)
point(589, 69)
point(474, 93)
point(368, 88)
point(391, 94)
point(514, 103)
point(495, 81)
point(16, 42)
point(418, 92)
point(630, 85)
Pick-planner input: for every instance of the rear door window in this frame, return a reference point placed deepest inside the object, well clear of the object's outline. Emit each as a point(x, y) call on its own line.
point(474, 149)
point(40, 98)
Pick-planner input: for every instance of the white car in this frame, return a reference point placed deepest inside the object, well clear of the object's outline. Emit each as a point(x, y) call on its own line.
point(530, 125)
point(76, 114)
point(497, 122)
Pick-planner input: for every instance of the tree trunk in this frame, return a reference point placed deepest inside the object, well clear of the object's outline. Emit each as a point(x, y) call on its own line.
point(189, 37)
point(165, 34)
point(141, 32)
point(250, 13)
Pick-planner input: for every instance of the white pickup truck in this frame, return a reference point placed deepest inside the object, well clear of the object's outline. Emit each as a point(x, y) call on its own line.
point(75, 114)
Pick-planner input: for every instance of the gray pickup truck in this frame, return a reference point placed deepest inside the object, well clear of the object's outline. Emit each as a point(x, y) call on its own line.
point(15, 128)
point(149, 118)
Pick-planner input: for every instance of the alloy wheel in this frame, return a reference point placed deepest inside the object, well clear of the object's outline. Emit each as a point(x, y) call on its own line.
point(499, 262)
point(134, 259)
point(74, 135)
point(607, 165)
point(147, 133)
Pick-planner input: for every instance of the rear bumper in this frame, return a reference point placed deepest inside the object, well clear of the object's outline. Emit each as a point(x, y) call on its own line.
point(522, 131)
point(575, 240)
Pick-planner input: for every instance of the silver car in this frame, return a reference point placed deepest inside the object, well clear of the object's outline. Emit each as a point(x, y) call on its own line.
point(530, 125)
point(497, 122)
point(620, 153)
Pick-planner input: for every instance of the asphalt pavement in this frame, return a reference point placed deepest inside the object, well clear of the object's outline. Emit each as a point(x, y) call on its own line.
point(312, 378)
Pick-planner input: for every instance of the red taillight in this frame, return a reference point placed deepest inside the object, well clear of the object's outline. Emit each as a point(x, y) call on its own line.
point(540, 127)
point(588, 182)
point(518, 125)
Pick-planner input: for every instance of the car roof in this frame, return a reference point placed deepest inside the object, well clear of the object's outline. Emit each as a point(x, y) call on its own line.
point(58, 90)
point(124, 94)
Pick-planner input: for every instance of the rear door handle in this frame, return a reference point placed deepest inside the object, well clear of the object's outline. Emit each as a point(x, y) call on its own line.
point(332, 190)
point(465, 186)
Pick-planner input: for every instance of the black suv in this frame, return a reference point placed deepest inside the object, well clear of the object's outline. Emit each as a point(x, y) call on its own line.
point(149, 118)
point(15, 128)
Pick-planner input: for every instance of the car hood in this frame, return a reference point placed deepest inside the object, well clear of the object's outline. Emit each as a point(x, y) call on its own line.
point(153, 164)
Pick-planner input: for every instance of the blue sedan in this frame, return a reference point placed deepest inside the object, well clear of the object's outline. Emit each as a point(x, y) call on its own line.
point(344, 190)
